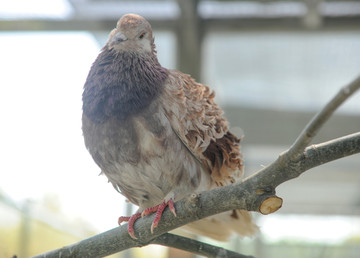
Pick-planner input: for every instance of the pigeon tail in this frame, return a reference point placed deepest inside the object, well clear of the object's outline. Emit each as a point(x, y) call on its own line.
point(222, 226)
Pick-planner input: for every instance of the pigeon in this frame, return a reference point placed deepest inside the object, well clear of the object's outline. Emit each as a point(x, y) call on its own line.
point(156, 133)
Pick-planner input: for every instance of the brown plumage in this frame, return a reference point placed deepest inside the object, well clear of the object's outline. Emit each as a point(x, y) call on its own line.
point(156, 133)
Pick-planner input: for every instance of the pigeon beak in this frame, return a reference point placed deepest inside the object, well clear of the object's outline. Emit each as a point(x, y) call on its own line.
point(118, 38)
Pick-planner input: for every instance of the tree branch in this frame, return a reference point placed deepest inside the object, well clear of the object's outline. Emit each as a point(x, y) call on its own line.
point(320, 119)
point(335, 149)
point(194, 246)
point(283, 170)
point(255, 193)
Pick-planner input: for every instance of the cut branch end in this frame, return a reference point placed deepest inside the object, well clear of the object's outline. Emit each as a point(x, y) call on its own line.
point(270, 205)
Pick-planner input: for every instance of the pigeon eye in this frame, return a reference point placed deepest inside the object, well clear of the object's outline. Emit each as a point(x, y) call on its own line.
point(142, 35)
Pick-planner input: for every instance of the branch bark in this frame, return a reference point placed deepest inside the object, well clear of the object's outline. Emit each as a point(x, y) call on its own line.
point(195, 246)
point(255, 193)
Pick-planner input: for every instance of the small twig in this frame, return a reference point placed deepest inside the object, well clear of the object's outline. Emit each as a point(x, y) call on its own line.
point(319, 120)
point(331, 150)
point(194, 246)
point(282, 170)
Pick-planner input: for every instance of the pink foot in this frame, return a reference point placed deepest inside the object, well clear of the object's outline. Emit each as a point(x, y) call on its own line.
point(159, 210)
point(131, 220)
point(150, 210)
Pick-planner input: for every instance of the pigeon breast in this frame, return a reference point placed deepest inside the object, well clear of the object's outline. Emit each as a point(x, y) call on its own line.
point(128, 134)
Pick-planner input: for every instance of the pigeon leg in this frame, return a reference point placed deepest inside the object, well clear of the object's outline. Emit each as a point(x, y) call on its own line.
point(149, 210)
point(159, 210)
point(131, 220)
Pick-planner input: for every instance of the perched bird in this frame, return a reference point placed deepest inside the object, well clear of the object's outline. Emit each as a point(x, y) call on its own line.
point(156, 133)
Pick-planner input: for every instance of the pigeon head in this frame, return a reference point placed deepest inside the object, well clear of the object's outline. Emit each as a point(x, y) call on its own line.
point(132, 34)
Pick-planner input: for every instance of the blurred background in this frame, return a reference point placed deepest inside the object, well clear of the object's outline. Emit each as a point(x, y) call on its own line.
point(273, 65)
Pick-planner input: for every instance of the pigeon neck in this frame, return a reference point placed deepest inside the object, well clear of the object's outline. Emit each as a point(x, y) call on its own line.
point(121, 84)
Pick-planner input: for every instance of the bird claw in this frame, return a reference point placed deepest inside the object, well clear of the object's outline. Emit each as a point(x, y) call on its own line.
point(171, 207)
point(122, 219)
point(149, 210)
point(132, 233)
point(158, 209)
point(152, 227)
point(131, 220)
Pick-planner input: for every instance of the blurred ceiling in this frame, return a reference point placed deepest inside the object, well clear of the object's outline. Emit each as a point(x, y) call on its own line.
point(189, 19)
